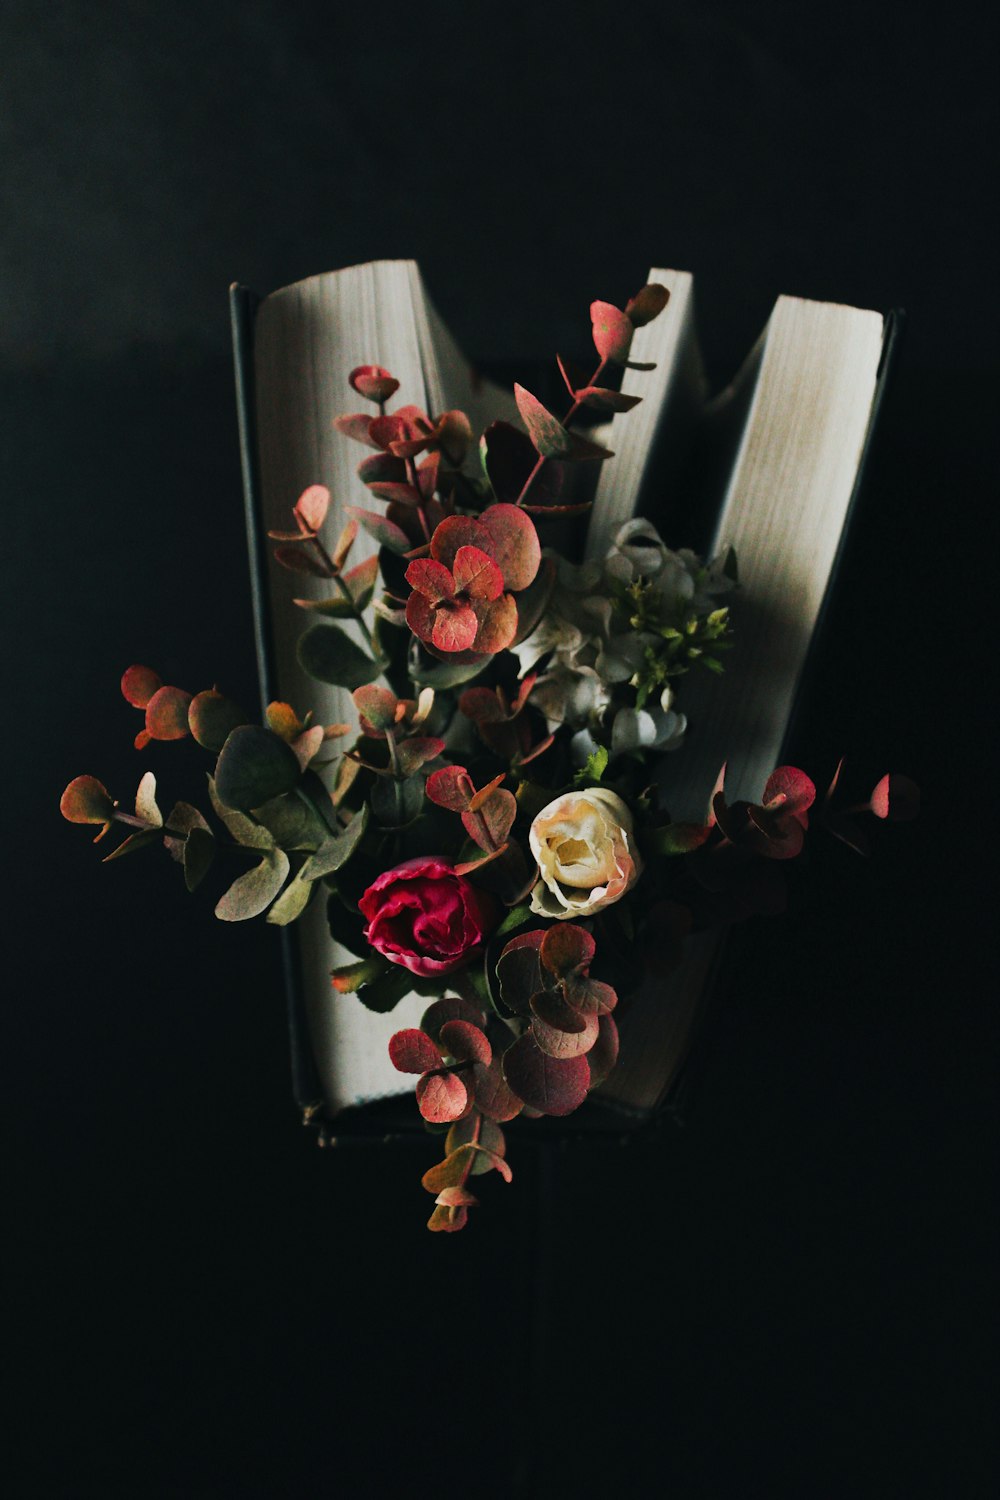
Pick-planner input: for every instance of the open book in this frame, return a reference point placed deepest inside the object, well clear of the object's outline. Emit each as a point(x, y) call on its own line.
point(777, 457)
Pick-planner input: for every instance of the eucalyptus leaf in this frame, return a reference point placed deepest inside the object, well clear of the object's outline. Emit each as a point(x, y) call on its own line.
point(385, 993)
point(145, 801)
point(253, 892)
point(254, 766)
point(329, 654)
point(132, 844)
point(336, 851)
point(292, 902)
point(397, 803)
point(199, 852)
point(294, 823)
point(243, 829)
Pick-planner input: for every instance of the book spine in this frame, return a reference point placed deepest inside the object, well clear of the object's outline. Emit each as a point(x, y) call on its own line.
point(243, 305)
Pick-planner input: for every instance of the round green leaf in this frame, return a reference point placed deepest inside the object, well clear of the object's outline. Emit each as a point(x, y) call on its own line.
point(212, 719)
point(254, 766)
point(328, 653)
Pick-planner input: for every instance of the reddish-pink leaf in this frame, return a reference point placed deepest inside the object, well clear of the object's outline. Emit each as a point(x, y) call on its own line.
point(490, 824)
point(430, 578)
point(417, 751)
point(603, 1054)
point(412, 1051)
point(785, 834)
point(139, 684)
point(476, 574)
point(552, 1007)
point(519, 971)
point(566, 948)
point(466, 1042)
point(554, 1085)
point(897, 798)
point(385, 532)
point(451, 1008)
point(373, 383)
point(457, 1197)
point(647, 304)
point(455, 1168)
point(794, 788)
point(455, 626)
point(427, 474)
point(395, 494)
point(402, 426)
point(573, 375)
point(494, 1097)
point(482, 706)
point(358, 426)
point(546, 431)
point(451, 787)
point(455, 532)
point(345, 542)
point(612, 330)
point(420, 616)
point(86, 800)
point(454, 433)
point(376, 705)
point(557, 1042)
point(601, 399)
point(167, 714)
point(470, 866)
point(381, 466)
point(312, 506)
point(515, 546)
point(496, 624)
point(299, 560)
point(532, 603)
point(509, 457)
point(441, 1097)
point(447, 1219)
point(589, 995)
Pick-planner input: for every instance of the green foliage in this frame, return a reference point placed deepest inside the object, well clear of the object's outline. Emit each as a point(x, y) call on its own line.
point(255, 766)
point(328, 653)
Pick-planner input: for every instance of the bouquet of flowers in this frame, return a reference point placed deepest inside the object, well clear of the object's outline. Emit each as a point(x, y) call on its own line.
point(491, 833)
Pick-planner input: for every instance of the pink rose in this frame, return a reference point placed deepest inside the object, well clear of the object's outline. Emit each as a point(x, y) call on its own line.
point(425, 917)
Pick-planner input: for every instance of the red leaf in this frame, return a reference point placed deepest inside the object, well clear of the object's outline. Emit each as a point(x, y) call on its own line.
point(441, 1097)
point(451, 1172)
point(558, 1042)
point(566, 948)
point(381, 466)
point(515, 546)
point(475, 574)
point(452, 788)
point(509, 456)
point(427, 474)
point(395, 494)
point(490, 824)
point(612, 330)
point(496, 624)
point(86, 800)
point(494, 1097)
point(601, 399)
point(420, 616)
point(447, 1219)
point(897, 798)
point(376, 705)
point(416, 752)
point(311, 507)
point(358, 426)
point(546, 431)
point(556, 1086)
point(519, 971)
point(139, 684)
point(167, 714)
point(345, 542)
point(466, 1042)
point(385, 532)
point(430, 578)
point(647, 304)
point(796, 790)
point(603, 1054)
point(373, 383)
point(451, 1008)
point(412, 1051)
point(456, 626)
point(297, 560)
point(482, 706)
point(455, 532)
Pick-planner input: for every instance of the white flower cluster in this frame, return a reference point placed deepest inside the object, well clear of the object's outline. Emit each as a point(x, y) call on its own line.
point(592, 648)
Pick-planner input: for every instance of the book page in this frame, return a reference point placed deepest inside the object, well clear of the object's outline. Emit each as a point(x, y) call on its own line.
point(635, 436)
point(307, 339)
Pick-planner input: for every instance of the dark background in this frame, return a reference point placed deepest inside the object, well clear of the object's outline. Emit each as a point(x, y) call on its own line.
point(787, 1296)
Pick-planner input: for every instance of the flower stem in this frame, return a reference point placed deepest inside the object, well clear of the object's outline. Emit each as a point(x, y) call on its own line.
point(541, 460)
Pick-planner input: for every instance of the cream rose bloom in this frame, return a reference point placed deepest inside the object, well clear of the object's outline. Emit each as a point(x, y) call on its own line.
point(584, 844)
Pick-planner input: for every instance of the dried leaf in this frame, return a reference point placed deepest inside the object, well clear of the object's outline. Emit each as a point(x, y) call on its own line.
point(647, 304)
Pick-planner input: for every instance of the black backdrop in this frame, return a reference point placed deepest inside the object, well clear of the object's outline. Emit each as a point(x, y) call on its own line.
point(788, 1296)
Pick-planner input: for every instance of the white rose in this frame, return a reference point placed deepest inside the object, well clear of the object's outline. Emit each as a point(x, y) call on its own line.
point(584, 844)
